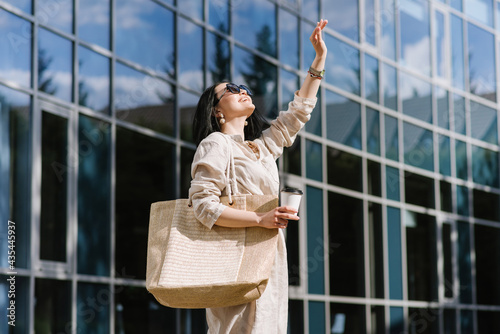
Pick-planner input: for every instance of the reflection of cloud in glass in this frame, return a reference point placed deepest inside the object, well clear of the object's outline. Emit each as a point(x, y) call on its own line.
point(417, 55)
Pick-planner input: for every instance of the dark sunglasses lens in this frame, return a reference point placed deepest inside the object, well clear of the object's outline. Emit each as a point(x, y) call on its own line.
point(233, 88)
point(249, 92)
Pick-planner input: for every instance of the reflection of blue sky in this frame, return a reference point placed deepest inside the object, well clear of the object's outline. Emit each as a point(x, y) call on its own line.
point(440, 45)
point(289, 38)
point(144, 33)
point(94, 76)
point(15, 46)
point(57, 14)
point(418, 147)
point(21, 4)
point(481, 61)
point(415, 35)
point(483, 123)
point(389, 86)
point(218, 14)
point(250, 18)
point(371, 78)
point(308, 53)
point(388, 29)
point(343, 118)
point(192, 7)
point(481, 10)
point(343, 65)
point(60, 51)
point(190, 55)
point(310, 9)
point(457, 47)
point(416, 96)
point(343, 17)
point(93, 21)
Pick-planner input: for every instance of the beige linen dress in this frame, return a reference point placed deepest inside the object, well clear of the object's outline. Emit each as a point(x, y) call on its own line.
point(256, 174)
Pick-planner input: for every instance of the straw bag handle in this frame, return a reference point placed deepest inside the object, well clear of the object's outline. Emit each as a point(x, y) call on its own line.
point(232, 186)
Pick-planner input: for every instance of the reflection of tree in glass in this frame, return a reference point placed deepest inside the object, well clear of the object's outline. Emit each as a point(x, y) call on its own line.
point(221, 58)
point(45, 81)
point(262, 74)
point(83, 92)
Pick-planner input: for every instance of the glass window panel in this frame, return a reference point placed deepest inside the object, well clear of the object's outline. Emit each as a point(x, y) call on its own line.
point(15, 43)
point(344, 169)
point(392, 183)
point(56, 14)
point(145, 34)
point(55, 65)
point(292, 161)
point(134, 185)
point(459, 114)
point(444, 155)
point(486, 205)
point(296, 316)
point(389, 86)
point(376, 252)
point(481, 53)
point(218, 59)
point(190, 53)
point(450, 321)
point(440, 62)
point(421, 256)
point(397, 321)
point(424, 320)
point(143, 100)
point(94, 196)
point(371, 78)
point(345, 227)
point(391, 138)
point(378, 319)
point(388, 28)
point(370, 32)
point(343, 117)
point(137, 311)
point(310, 9)
point(372, 131)
point(344, 72)
point(25, 5)
point(485, 167)
point(314, 161)
point(218, 14)
point(15, 172)
point(467, 321)
point(418, 146)
point(461, 159)
point(347, 318)
point(457, 53)
point(17, 315)
point(314, 125)
point(289, 85)
point(416, 95)
point(256, 25)
point(449, 278)
point(194, 321)
point(53, 305)
point(315, 243)
point(317, 317)
point(94, 22)
point(443, 108)
point(308, 53)
point(488, 321)
point(187, 107)
point(463, 200)
point(497, 8)
point(93, 80)
point(395, 256)
point(374, 180)
point(456, 4)
point(187, 156)
point(483, 123)
point(415, 48)
point(419, 190)
point(487, 241)
point(464, 262)
point(93, 308)
point(343, 17)
point(480, 10)
point(192, 7)
point(293, 257)
point(55, 168)
point(289, 38)
point(261, 77)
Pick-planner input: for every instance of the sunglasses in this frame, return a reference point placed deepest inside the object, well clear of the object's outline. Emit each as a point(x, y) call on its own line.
point(235, 89)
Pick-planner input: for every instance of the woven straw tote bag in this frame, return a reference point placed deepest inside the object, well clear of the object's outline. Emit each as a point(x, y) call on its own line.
point(192, 266)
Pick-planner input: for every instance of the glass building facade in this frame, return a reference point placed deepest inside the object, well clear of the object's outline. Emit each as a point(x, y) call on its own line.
point(400, 226)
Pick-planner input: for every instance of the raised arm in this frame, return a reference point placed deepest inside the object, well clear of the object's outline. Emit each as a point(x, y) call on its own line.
point(311, 84)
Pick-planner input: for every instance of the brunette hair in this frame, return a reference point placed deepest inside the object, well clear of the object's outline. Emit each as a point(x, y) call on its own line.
point(205, 122)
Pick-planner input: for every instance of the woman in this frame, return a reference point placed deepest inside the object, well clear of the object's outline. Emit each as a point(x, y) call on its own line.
point(225, 116)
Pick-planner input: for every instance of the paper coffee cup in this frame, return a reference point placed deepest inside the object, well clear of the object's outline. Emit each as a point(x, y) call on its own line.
point(291, 197)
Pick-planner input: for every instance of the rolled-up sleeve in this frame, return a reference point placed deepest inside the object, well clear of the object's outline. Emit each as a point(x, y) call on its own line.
point(284, 128)
point(208, 174)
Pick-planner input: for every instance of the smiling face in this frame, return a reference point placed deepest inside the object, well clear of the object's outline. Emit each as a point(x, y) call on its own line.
point(233, 105)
